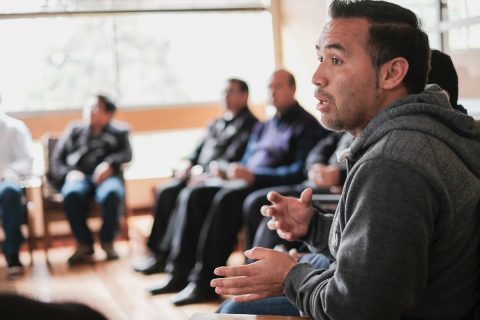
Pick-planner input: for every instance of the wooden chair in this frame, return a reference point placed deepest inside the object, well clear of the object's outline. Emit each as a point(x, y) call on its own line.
point(329, 200)
point(53, 200)
point(28, 207)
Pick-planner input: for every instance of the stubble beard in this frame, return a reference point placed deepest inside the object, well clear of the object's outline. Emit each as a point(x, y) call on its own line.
point(332, 122)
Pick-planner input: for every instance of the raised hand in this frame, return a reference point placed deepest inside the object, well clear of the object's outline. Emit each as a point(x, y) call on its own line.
point(290, 216)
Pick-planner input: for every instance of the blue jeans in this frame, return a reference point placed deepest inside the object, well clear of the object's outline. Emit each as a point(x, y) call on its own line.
point(11, 210)
point(317, 260)
point(109, 195)
point(274, 306)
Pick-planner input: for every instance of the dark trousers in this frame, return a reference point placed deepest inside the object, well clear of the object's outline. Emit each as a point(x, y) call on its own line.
point(11, 213)
point(109, 195)
point(257, 232)
point(219, 232)
point(206, 223)
point(165, 201)
point(185, 226)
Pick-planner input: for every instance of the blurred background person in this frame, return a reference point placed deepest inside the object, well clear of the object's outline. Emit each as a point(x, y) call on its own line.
point(224, 142)
point(86, 164)
point(16, 157)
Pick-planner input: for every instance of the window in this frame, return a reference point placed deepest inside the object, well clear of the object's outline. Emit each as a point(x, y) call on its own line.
point(141, 59)
point(429, 16)
point(460, 28)
point(453, 26)
point(461, 24)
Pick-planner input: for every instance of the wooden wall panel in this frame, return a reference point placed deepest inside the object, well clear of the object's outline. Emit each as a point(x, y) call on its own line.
point(141, 120)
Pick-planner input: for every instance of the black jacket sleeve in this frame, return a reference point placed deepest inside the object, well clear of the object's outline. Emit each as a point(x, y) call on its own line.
point(57, 166)
point(124, 152)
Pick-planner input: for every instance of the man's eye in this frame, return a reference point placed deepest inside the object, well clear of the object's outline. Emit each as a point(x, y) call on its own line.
point(336, 61)
point(320, 59)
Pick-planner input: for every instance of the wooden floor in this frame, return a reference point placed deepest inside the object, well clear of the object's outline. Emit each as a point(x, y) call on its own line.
point(110, 287)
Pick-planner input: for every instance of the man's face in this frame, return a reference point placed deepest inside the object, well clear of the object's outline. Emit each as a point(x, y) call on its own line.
point(345, 80)
point(282, 94)
point(235, 99)
point(95, 114)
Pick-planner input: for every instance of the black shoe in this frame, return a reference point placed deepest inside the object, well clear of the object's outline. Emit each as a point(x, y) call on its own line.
point(153, 264)
point(82, 254)
point(15, 267)
point(169, 284)
point(194, 293)
point(110, 252)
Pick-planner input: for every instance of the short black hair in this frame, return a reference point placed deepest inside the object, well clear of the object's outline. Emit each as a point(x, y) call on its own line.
point(394, 32)
point(107, 102)
point(241, 84)
point(443, 73)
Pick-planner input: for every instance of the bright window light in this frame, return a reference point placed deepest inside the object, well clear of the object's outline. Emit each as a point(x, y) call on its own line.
point(140, 59)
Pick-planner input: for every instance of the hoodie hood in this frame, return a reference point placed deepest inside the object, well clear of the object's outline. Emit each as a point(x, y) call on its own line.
point(429, 113)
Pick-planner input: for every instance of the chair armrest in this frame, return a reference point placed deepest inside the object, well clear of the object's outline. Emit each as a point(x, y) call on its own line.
point(327, 198)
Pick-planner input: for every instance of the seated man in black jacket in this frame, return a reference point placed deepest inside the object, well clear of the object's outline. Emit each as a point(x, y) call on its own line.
point(86, 164)
point(224, 142)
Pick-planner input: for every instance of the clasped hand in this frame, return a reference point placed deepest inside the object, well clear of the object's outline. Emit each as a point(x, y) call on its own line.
point(103, 171)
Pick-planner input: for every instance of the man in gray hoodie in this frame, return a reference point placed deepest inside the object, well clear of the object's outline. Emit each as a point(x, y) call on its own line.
point(405, 237)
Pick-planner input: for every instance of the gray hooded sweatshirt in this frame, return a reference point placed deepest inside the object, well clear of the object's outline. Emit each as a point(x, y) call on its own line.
point(406, 233)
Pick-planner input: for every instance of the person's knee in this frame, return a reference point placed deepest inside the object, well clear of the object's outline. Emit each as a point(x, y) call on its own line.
point(169, 189)
point(111, 190)
point(191, 193)
point(226, 197)
point(73, 196)
point(230, 307)
point(11, 194)
point(75, 189)
point(253, 203)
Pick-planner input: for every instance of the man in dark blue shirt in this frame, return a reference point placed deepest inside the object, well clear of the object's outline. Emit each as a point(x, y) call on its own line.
point(208, 219)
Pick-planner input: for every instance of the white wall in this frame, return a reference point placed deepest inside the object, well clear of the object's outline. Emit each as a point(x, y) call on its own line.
point(301, 27)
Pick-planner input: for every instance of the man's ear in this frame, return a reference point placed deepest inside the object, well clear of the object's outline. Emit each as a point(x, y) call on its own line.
point(392, 73)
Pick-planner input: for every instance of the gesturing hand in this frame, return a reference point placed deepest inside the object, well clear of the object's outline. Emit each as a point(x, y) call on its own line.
point(290, 216)
point(261, 279)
